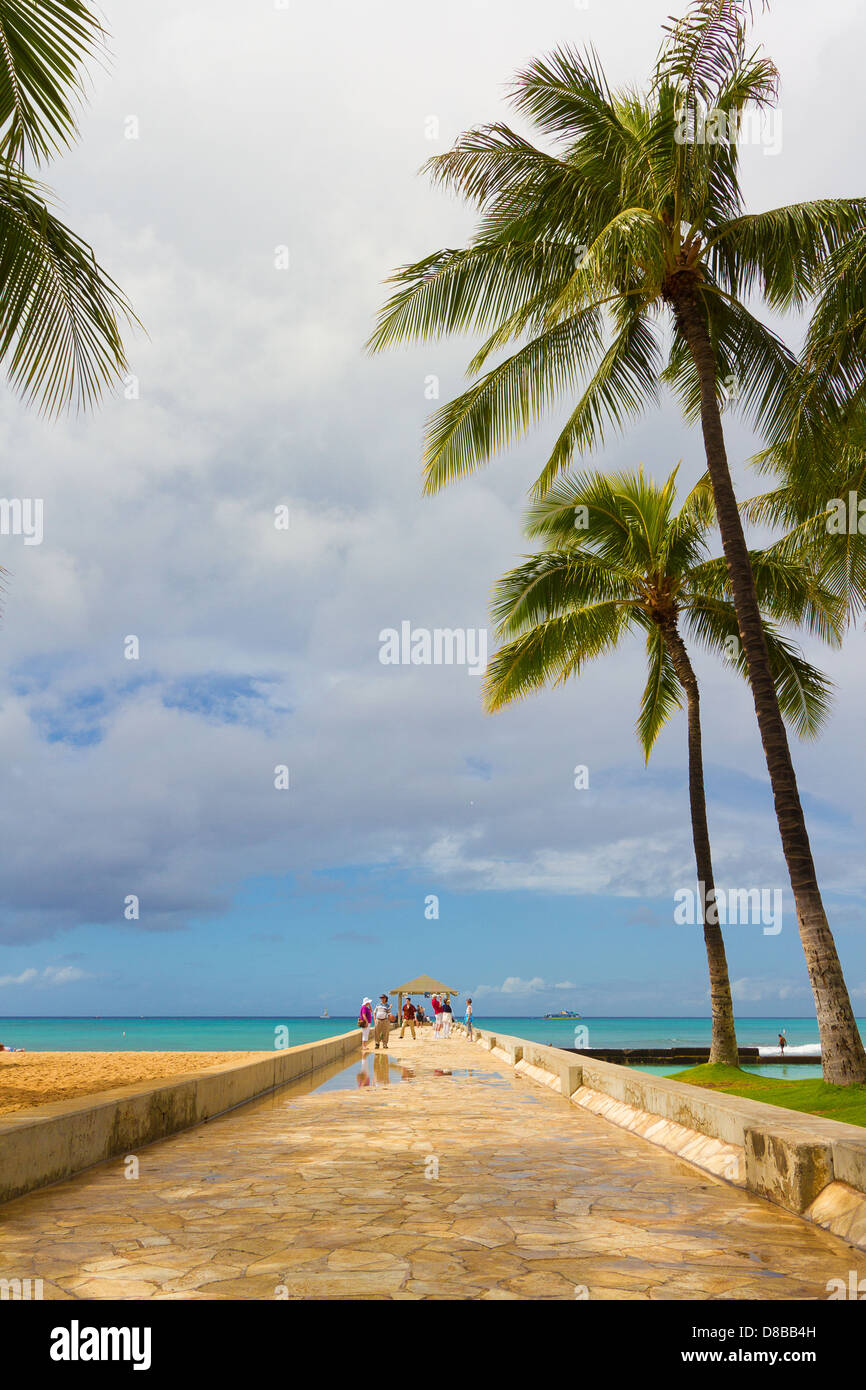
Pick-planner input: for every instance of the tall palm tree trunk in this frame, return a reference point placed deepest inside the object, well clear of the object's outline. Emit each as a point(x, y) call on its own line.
point(842, 1052)
point(724, 1043)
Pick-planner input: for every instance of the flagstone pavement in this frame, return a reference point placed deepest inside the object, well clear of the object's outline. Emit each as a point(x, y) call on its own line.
point(476, 1184)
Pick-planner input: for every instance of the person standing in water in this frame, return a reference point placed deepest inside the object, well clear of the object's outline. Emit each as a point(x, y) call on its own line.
point(783, 1043)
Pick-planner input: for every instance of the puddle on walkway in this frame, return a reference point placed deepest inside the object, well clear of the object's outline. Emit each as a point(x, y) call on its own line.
point(372, 1072)
point(378, 1069)
point(365, 1073)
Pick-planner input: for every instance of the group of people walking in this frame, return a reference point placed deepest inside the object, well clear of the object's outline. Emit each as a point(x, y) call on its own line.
point(378, 1018)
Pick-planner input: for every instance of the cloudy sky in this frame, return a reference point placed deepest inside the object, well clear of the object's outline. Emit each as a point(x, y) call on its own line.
point(222, 141)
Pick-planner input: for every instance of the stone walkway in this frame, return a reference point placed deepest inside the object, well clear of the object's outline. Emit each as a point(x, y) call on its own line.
point(481, 1186)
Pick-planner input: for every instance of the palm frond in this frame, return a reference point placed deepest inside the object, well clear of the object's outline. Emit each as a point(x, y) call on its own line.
point(788, 588)
point(662, 695)
point(605, 512)
point(567, 95)
point(625, 381)
point(492, 160)
point(59, 310)
point(464, 433)
point(552, 651)
point(804, 692)
point(42, 48)
point(554, 582)
point(461, 291)
point(783, 253)
point(703, 48)
point(835, 351)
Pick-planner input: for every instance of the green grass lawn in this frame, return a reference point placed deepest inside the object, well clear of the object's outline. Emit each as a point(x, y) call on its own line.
point(847, 1103)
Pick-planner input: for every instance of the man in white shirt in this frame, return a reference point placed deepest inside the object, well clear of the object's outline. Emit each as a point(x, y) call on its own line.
point(382, 1020)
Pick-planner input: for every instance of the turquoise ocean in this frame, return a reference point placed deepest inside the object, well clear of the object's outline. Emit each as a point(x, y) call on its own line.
point(259, 1034)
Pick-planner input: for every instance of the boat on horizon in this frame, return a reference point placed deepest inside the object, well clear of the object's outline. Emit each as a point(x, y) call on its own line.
point(325, 1014)
point(563, 1013)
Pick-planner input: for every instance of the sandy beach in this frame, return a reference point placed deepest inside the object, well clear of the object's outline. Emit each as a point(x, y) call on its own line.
point(34, 1078)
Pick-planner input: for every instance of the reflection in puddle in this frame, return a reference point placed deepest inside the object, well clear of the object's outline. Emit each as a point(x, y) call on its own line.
point(376, 1069)
point(371, 1072)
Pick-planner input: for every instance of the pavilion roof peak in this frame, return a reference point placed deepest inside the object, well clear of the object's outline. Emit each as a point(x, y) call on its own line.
point(425, 984)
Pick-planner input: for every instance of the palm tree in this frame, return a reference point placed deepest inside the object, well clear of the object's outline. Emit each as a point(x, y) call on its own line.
point(59, 310)
point(586, 255)
point(636, 566)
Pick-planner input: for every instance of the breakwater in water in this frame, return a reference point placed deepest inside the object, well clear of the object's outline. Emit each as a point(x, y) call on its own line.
point(682, 1056)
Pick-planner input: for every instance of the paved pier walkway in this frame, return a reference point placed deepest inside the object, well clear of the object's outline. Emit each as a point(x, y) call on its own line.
point(480, 1185)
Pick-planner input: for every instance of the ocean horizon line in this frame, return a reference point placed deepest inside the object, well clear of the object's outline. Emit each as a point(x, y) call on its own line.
point(338, 1018)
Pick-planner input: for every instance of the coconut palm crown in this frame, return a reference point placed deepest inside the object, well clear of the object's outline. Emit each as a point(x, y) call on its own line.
point(620, 561)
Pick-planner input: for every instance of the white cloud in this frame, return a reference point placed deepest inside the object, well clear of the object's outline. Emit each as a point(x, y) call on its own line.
point(514, 985)
point(51, 975)
point(760, 991)
point(63, 975)
point(25, 978)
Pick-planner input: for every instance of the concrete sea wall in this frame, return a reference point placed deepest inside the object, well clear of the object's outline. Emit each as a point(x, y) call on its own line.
point(50, 1142)
point(812, 1166)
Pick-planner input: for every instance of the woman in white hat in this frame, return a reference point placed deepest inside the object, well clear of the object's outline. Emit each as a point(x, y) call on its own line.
point(365, 1021)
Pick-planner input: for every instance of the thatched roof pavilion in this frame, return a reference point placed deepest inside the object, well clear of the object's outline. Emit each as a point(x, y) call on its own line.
point(422, 984)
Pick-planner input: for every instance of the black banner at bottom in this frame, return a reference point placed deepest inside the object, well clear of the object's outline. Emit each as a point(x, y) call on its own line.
point(59, 1340)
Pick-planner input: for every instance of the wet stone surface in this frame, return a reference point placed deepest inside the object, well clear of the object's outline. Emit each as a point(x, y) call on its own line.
point(414, 1184)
